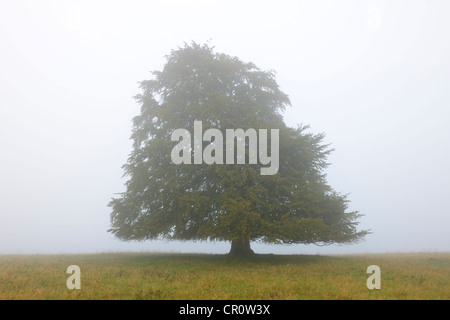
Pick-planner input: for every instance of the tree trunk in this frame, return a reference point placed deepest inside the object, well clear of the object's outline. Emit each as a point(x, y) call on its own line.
point(241, 248)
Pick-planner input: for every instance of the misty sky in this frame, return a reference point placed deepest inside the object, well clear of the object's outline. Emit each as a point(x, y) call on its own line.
point(373, 75)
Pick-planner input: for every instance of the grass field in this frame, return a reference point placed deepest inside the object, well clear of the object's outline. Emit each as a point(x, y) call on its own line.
point(202, 276)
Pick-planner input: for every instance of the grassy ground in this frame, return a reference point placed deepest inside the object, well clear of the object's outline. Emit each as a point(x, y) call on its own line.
point(200, 276)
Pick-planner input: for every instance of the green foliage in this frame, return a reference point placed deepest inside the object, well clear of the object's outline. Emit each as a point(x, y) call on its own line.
point(224, 202)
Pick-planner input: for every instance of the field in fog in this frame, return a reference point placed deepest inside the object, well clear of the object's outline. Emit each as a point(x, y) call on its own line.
point(203, 276)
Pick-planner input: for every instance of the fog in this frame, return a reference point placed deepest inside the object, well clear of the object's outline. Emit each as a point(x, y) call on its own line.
point(374, 76)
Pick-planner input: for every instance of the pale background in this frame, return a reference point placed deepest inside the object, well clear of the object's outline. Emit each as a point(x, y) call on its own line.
point(373, 75)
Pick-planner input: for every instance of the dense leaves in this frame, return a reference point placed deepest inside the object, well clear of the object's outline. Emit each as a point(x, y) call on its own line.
point(226, 202)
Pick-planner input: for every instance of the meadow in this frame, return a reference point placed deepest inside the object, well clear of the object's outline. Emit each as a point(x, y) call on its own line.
point(123, 276)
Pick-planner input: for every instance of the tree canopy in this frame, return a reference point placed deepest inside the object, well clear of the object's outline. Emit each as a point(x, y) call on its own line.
point(225, 202)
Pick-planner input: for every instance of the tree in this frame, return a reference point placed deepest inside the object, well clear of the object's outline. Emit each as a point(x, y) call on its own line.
point(225, 202)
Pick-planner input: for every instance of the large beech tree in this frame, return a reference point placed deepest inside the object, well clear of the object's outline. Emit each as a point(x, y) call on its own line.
point(225, 202)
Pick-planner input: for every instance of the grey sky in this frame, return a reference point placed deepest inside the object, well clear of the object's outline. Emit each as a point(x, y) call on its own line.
point(373, 75)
